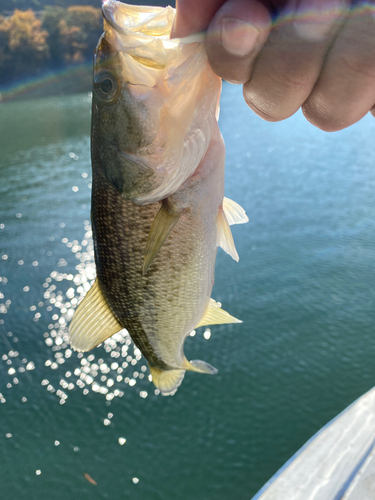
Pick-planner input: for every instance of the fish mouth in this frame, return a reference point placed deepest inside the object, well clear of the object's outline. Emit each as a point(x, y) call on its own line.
point(144, 32)
point(137, 19)
point(140, 31)
point(109, 10)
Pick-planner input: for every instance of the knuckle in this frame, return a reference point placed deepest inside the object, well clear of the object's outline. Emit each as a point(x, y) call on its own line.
point(289, 74)
point(290, 81)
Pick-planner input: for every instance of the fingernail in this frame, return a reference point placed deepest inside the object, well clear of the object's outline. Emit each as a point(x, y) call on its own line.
point(238, 37)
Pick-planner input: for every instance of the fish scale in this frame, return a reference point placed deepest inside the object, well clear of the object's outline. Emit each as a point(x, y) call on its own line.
point(173, 295)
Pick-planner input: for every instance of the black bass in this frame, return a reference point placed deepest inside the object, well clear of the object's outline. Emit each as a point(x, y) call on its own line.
point(158, 208)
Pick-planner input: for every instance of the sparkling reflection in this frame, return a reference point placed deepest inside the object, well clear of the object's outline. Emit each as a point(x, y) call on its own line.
point(110, 369)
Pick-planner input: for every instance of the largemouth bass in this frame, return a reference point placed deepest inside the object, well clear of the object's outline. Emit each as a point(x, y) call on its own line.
point(158, 208)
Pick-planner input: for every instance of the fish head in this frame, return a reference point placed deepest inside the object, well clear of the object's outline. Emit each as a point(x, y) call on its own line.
point(122, 124)
point(154, 102)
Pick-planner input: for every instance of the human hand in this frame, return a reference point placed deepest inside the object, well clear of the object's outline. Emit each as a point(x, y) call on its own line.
point(314, 54)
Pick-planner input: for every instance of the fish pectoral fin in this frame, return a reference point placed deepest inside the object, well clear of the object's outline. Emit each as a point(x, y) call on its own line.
point(196, 365)
point(234, 213)
point(224, 236)
point(167, 381)
point(214, 315)
point(163, 224)
point(93, 322)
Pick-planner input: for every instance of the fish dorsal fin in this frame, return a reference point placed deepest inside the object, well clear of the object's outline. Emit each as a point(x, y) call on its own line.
point(224, 236)
point(167, 381)
point(214, 315)
point(163, 224)
point(234, 213)
point(93, 322)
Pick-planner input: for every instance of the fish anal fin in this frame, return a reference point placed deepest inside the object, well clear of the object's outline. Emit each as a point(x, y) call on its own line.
point(93, 322)
point(167, 381)
point(234, 213)
point(224, 236)
point(214, 315)
point(163, 224)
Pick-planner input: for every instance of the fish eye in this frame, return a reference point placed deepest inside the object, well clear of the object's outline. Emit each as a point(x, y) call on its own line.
point(105, 86)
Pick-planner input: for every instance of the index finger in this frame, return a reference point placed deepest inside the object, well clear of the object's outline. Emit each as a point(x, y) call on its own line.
point(194, 16)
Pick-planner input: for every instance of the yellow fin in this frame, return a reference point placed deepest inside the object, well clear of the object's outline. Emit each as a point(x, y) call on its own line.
point(93, 322)
point(167, 381)
point(234, 213)
point(163, 224)
point(196, 365)
point(214, 315)
point(224, 236)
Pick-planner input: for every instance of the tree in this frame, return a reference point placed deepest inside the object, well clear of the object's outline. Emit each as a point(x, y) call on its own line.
point(87, 24)
point(51, 20)
point(72, 33)
point(25, 49)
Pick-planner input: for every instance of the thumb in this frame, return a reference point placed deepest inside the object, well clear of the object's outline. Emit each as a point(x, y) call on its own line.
point(194, 16)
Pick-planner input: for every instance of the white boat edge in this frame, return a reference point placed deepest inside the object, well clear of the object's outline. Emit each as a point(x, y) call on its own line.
point(326, 466)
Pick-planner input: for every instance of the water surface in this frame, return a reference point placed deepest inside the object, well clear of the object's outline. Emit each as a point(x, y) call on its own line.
point(304, 288)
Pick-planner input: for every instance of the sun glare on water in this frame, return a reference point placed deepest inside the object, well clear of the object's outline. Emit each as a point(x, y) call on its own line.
point(109, 370)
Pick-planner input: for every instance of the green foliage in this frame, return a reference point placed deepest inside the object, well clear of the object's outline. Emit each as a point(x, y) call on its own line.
point(10, 5)
point(52, 35)
point(29, 45)
point(72, 33)
point(23, 45)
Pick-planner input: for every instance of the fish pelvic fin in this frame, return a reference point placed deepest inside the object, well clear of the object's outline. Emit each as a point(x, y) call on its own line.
point(224, 236)
point(214, 315)
point(163, 224)
point(167, 381)
point(93, 322)
point(234, 213)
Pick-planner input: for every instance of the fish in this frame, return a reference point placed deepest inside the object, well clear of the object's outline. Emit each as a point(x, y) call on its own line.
point(158, 209)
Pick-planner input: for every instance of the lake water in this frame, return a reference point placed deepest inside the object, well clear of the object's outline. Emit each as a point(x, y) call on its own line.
point(304, 288)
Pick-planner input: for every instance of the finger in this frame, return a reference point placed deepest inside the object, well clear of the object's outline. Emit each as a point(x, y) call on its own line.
point(235, 37)
point(345, 91)
point(291, 60)
point(193, 16)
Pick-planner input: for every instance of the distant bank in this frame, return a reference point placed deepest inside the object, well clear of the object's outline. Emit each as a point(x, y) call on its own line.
point(72, 80)
point(51, 34)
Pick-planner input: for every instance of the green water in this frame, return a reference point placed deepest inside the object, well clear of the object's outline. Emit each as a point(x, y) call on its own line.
point(304, 288)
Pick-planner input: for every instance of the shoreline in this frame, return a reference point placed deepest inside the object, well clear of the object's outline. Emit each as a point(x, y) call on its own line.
point(70, 80)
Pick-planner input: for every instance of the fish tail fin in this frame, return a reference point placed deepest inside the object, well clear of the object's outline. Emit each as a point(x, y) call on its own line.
point(167, 381)
point(196, 365)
